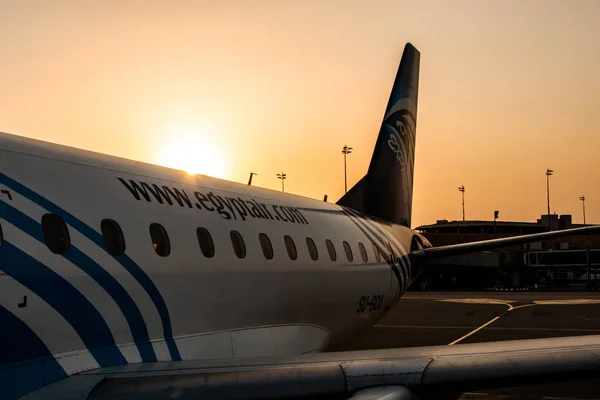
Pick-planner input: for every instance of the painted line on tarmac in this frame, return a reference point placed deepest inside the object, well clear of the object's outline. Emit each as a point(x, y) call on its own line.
point(521, 306)
point(475, 331)
point(492, 328)
point(423, 327)
point(479, 301)
point(572, 302)
point(510, 308)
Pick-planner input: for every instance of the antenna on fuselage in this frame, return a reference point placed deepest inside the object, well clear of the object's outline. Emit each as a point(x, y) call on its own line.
point(325, 198)
point(250, 180)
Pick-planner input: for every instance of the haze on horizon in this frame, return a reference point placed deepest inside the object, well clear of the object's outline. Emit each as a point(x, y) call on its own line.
point(507, 90)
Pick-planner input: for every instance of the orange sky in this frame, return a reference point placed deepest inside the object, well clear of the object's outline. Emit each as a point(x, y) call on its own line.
point(508, 89)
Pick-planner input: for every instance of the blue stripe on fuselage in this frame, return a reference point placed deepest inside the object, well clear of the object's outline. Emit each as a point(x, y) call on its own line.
point(139, 275)
point(17, 343)
point(125, 303)
point(66, 300)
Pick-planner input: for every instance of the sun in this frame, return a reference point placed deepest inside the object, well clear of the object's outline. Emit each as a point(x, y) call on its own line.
point(194, 155)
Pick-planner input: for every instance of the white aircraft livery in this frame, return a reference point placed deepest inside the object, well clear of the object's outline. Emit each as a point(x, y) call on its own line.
point(120, 279)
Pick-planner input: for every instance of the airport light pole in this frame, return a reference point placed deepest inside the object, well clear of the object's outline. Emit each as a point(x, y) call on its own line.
point(495, 218)
point(346, 150)
point(461, 189)
point(582, 198)
point(282, 176)
point(548, 173)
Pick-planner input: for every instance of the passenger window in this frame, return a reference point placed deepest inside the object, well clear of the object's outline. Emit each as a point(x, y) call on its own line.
point(160, 240)
point(376, 252)
point(56, 234)
point(312, 249)
point(363, 252)
point(331, 250)
point(265, 243)
point(206, 243)
point(239, 247)
point(348, 251)
point(113, 237)
point(291, 247)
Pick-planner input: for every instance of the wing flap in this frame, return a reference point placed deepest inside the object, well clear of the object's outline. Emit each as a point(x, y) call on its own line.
point(361, 374)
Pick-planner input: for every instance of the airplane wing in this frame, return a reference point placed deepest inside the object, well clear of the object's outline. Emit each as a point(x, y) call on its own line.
point(428, 372)
point(455, 249)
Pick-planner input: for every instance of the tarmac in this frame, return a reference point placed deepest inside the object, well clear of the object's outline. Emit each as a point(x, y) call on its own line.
point(444, 318)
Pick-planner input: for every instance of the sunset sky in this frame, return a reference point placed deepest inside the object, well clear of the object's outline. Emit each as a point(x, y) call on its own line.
point(507, 89)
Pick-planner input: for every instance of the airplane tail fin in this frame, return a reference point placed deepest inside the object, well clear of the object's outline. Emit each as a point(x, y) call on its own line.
point(386, 190)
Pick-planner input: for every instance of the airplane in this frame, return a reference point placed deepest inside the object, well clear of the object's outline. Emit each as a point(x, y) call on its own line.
point(121, 279)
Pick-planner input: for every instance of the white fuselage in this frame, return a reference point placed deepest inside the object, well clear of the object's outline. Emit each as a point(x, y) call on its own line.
point(90, 308)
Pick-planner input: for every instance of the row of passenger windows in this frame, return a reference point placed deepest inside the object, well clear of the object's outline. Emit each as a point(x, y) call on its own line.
point(56, 236)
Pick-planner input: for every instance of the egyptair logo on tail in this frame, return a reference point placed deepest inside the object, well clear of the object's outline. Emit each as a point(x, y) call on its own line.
point(397, 149)
point(396, 122)
point(395, 146)
point(400, 126)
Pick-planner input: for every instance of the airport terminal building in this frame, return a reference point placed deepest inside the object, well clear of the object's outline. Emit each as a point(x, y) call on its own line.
point(564, 262)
